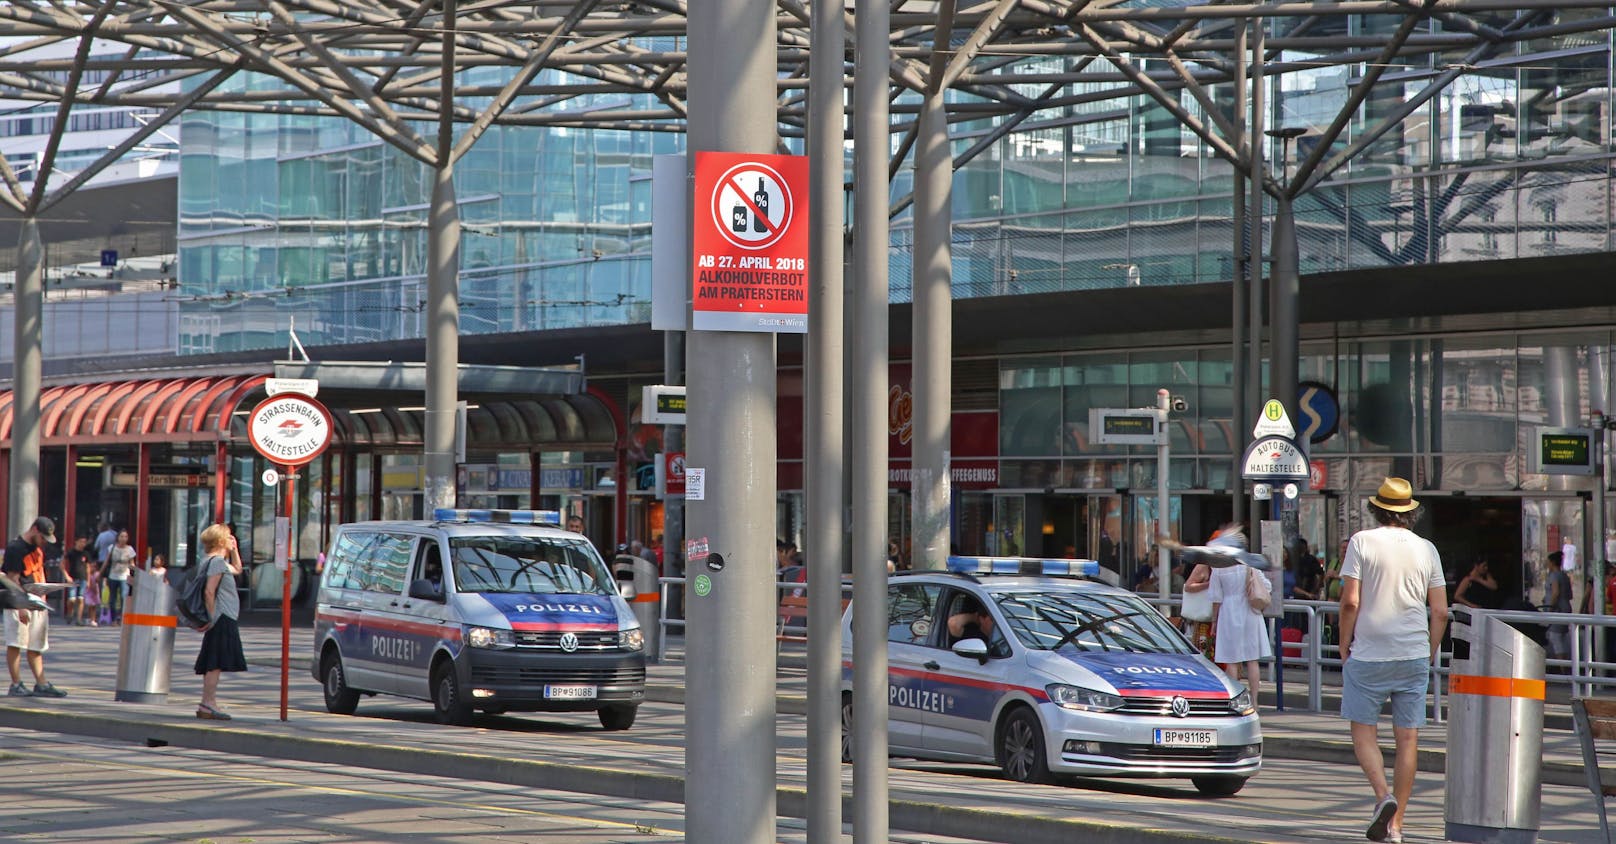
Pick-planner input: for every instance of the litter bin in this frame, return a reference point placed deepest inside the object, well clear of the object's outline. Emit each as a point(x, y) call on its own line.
point(1495, 734)
point(637, 583)
point(146, 648)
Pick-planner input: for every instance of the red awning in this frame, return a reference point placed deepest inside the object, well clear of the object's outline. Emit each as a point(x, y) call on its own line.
point(189, 409)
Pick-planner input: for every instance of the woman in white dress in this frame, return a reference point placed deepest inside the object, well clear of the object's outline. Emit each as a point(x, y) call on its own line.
point(1242, 636)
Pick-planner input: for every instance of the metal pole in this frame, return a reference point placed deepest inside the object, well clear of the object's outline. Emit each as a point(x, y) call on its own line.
point(825, 439)
point(673, 506)
point(1239, 287)
point(443, 297)
point(729, 641)
point(290, 473)
point(1164, 579)
point(871, 134)
point(1254, 287)
point(27, 374)
point(933, 337)
point(1282, 313)
point(1596, 554)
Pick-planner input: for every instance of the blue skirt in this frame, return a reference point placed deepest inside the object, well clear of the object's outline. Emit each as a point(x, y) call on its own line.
point(221, 648)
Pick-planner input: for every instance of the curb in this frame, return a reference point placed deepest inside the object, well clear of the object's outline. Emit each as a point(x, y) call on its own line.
point(905, 812)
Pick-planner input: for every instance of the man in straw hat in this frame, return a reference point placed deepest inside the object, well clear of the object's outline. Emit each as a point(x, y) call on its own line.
point(1389, 577)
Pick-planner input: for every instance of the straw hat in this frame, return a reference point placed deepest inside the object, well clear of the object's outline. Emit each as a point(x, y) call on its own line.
point(1394, 495)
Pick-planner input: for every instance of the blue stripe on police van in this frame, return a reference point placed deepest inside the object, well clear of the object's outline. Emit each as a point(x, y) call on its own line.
point(1141, 674)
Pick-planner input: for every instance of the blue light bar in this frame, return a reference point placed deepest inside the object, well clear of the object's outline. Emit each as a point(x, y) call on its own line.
point(507, 517)
point(1024, 565)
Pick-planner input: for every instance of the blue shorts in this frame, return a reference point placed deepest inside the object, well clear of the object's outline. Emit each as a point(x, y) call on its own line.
point(1365, 686)
point(75, 590)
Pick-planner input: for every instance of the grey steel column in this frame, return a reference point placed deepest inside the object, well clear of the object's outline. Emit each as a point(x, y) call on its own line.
point(1238, 286)
point(933, 367)
point(872, 145)
point(443, 295)
point(673, 507)
point(824, 440)
point(26, 376)
point(1282, 312)
point(1255, 394)
point(729, 643)
point(442, 339)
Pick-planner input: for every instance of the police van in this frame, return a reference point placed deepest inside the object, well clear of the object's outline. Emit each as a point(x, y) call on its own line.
point(1034, 667)
point(490, 610)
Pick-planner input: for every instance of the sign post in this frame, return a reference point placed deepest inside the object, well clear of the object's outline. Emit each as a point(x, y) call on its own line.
point(289, 429)
point(1276, 459)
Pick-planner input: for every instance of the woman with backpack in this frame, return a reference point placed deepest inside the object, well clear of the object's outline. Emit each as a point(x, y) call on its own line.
point(1242, 635)
point(221, 638)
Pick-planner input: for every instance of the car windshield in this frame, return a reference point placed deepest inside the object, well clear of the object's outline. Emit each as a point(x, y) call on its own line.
point(1074, 620)
point(528, 565)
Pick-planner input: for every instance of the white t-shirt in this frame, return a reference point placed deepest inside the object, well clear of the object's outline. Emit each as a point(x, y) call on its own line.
point(1395, 569)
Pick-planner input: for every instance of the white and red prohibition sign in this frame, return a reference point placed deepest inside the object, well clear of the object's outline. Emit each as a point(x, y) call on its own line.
point(752, 205)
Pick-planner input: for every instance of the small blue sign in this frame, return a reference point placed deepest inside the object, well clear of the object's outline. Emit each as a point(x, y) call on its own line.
point(1319, 409)
point(109, 257)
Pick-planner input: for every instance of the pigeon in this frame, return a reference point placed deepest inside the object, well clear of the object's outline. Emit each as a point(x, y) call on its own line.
point(1226, 548)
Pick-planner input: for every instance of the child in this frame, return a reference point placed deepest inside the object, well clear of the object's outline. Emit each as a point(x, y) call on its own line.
point(92, 596)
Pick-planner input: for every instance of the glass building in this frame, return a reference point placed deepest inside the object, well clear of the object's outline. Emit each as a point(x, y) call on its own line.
point(288, 217)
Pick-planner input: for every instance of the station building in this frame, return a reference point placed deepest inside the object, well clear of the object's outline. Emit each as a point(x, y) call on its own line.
point(1454, 297)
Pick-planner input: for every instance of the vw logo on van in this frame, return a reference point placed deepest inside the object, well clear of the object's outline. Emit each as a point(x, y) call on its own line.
point(569, 643)
point(1181, 707)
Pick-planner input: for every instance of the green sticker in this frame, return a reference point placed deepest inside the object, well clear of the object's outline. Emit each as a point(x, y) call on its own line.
point(704, 585)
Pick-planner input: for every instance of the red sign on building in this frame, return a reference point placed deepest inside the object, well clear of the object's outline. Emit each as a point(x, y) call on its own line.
point(673, 472)
point(749, 243)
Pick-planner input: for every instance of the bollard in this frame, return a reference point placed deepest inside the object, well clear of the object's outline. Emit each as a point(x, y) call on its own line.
point(1495, 734)
point(146, 647)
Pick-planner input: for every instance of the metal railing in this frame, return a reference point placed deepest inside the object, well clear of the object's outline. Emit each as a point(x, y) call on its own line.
point(1578, 669)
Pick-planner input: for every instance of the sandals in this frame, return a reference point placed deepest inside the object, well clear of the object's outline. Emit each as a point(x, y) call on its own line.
point(208, 713)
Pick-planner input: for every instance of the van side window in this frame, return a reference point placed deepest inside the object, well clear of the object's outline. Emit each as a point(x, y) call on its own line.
point(387, 563)
point(911, 608)
point(339, 567)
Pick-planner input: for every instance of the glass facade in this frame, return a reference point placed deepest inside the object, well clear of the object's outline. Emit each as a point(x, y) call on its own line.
point(291, 216)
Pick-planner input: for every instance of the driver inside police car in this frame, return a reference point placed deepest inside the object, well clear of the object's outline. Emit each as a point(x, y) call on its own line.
point(970, 621)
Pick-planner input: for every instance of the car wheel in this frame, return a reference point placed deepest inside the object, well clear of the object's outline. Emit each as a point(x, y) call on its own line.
point(847, 727)
point(339, 699)
point(448, 702)
point(1218, 786)
point(618, 717)
point(1021, 747)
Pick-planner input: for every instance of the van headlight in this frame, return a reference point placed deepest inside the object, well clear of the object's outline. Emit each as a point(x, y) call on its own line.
point(631, 640)
point(1084, 700)
point(1240, 704)
point(489, 637)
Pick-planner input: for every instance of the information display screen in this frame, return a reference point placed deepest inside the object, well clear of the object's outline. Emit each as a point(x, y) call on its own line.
point(1565, 451)
point(1138, 426)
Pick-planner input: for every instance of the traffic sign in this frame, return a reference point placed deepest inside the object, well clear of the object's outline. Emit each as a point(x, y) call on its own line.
point(1274, 421)
point(749, 239)
point(1320, 410)
point(290, 429)
point(1275, 459)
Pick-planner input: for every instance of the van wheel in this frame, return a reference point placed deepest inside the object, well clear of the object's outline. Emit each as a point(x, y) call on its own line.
point(1021, 747)
point(339, 699)
point(618, 717)
point(448, 701)
point(1218, 786)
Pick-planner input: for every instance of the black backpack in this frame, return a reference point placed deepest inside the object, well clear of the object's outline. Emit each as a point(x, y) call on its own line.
point(192, 606)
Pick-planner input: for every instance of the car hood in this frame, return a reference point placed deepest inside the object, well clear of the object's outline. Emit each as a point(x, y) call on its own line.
point(1146, 674)
point(547, 612)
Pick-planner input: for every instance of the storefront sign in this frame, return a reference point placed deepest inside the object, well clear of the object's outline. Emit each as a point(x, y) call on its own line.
point(171, 476)
point(749, 238)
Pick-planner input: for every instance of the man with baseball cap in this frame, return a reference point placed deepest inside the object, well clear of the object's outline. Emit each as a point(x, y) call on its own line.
point(1389, 577)
point(29, 629)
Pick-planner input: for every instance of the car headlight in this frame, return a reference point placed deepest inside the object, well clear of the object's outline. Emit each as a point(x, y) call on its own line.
point(1085, 700)
point(631, 640)
point(1240, 704)
point(489, 637)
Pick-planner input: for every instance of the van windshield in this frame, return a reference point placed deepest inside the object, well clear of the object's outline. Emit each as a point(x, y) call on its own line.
point(528, 565)
point(1070, 620)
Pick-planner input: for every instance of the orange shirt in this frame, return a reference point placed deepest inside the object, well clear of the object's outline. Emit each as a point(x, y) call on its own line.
point(33, 566)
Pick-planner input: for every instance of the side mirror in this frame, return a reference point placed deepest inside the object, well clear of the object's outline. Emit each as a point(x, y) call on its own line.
point(974, 648)
point(426, 590)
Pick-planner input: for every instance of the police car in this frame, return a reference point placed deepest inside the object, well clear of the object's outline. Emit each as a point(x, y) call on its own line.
point(492, 610)
point(1028, 665)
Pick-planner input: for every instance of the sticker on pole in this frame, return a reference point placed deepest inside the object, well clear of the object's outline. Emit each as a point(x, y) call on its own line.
point(750, 243)
point(289, 429)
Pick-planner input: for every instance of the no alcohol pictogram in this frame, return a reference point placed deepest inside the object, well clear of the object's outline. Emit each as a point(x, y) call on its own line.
point(752, 205)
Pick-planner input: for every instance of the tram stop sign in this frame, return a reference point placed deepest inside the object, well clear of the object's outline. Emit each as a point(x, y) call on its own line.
point(289, 429)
